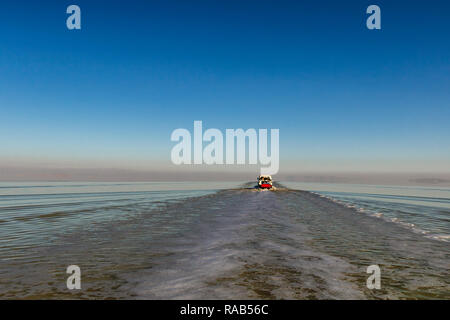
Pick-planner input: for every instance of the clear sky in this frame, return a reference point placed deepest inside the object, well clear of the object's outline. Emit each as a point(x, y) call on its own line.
point(109, 95)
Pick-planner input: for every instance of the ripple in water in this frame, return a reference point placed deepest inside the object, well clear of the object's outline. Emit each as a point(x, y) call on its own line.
point(202, 244)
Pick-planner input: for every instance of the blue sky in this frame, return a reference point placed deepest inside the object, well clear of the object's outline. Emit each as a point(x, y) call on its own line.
point(112, 93)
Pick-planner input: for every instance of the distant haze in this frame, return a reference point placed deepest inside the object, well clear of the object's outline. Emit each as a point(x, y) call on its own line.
point(236, 173)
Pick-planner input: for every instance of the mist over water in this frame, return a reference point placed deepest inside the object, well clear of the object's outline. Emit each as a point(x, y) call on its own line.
point(193, 240)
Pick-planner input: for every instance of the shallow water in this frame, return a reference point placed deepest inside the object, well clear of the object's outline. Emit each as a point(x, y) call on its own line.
point(191, 241)
point(424, 210)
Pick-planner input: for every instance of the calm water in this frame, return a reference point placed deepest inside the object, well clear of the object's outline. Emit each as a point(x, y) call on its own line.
point(194, 240)
point(424, 210)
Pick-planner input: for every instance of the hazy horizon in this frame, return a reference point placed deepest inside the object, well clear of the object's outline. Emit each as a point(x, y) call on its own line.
point(232, 173)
